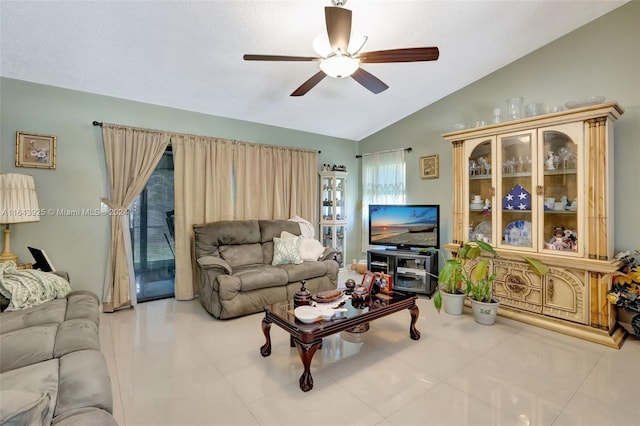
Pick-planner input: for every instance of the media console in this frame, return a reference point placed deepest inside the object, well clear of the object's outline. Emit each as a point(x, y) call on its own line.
point(410, 269)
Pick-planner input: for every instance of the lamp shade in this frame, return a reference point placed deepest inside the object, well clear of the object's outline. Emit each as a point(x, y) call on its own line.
point(18, 200)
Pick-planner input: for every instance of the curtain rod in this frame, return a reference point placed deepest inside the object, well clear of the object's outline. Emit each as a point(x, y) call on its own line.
point(409, 149)
point(100, 123)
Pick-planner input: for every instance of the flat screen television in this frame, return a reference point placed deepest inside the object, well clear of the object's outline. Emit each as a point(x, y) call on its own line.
point(404, 227)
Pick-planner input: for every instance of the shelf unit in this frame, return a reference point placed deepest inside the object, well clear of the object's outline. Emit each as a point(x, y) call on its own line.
point(549, 183)
point(333, 217)
point(410, 270)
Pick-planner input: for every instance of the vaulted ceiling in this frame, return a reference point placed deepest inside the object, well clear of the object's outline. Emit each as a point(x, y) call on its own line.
point(188, 54)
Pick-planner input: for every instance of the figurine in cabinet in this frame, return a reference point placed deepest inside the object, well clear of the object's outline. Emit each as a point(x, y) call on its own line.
point(563, 239)
point(550, 161)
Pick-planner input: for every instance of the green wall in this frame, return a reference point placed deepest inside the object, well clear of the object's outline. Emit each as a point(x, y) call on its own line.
point(600, 58)
point(79, 244)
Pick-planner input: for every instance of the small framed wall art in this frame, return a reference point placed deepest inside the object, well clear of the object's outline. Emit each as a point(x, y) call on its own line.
point(34, 150)
point(429, 168)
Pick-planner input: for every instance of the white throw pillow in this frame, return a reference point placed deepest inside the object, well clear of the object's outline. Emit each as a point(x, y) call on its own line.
point(285, 234)
point(311, 249)
point(286, 250)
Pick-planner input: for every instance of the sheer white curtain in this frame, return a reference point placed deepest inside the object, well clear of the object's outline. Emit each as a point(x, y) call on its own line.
point(383, 182)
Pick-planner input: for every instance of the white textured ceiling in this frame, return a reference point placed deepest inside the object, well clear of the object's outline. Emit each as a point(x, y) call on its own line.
point(188, 54)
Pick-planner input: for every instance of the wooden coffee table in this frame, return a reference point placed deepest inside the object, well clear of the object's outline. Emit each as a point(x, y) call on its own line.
point(308, 337)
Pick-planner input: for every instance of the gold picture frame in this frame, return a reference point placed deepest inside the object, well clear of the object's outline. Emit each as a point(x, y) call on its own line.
point(429, 167)
point(35, 150)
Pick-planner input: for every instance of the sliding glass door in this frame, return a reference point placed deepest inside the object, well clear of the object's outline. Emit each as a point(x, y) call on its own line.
point(152, 236)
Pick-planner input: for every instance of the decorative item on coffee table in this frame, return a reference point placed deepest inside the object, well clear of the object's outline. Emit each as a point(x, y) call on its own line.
point(383, 283)
point(302, 296)
point(367, 281)
point(350, 284)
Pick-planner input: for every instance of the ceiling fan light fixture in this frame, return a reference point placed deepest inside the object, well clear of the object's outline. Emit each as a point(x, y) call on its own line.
point(322, 46)
point(339, 66)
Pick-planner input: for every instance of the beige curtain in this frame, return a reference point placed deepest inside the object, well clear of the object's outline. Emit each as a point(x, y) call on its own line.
point(218, 179)
point(131, 156)
point(275, 182)
point(203, 187)
point(303, 199)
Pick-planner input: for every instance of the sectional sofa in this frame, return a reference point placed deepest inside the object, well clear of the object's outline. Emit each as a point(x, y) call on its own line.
point(51, 367)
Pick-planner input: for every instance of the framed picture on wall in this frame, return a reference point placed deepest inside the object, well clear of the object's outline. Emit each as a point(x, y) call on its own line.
point(34, 150)
point(429, 168)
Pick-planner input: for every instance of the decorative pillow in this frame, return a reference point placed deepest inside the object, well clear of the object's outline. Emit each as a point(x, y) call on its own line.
point(23, 408)
point(311, 249)
point(286, 250)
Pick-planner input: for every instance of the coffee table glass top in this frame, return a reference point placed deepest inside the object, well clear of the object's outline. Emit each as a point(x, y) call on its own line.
point(353, 308)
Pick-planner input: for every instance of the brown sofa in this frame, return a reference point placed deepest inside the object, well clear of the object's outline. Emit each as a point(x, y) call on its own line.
point(236, 272)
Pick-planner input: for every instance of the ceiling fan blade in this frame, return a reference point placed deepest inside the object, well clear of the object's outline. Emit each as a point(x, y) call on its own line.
point(309, 84)
point(413, 54)
point(338, 21)
point(370, 81)
point(279, 58)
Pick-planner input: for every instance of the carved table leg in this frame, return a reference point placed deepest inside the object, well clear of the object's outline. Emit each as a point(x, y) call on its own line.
point(306, 352)
point(265, 350)
point(413, 331)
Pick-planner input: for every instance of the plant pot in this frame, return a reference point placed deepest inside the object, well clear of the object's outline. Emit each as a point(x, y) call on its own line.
point(453, 302)
point(485, 312)
point(627, 319)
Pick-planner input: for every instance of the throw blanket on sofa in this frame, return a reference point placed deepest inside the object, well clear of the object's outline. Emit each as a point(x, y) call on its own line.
point(29, 287)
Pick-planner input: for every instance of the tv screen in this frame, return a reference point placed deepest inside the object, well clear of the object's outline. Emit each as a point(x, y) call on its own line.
point(404, 226)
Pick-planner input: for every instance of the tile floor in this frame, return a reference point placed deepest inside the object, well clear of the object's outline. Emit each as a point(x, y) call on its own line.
point(171, 363)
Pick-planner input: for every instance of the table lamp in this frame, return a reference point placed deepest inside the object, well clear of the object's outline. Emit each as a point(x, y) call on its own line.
point(18, 203)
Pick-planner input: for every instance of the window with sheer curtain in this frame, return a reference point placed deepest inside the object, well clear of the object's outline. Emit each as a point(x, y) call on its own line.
point(383, 182)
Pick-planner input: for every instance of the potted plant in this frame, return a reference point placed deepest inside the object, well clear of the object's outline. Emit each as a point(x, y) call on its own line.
point(625, 292)
point(476, 282)
point(454, 280)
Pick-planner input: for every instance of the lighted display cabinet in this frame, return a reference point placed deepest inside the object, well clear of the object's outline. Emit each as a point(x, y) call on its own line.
point(543, 187)
point(333, 217)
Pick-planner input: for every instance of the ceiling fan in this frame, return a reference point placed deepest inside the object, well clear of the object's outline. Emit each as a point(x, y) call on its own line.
point(340, 54)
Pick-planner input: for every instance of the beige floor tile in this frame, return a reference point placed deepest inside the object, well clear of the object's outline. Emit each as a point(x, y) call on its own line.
point(172, 363)
point(585, 411)
point(446, 405)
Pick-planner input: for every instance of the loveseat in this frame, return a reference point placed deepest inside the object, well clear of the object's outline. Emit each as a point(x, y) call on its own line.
point(51, 367)
point(238, 274)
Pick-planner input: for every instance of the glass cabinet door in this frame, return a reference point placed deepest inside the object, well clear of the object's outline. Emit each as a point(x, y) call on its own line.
point(333, 204)
point(480, 191)
point(340, 188)
point(327, 198)
point(515, 195)
point(562, 187)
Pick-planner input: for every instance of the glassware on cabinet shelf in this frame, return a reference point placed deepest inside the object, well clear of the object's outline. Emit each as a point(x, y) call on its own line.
point(514, 107)
point(516, 188)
